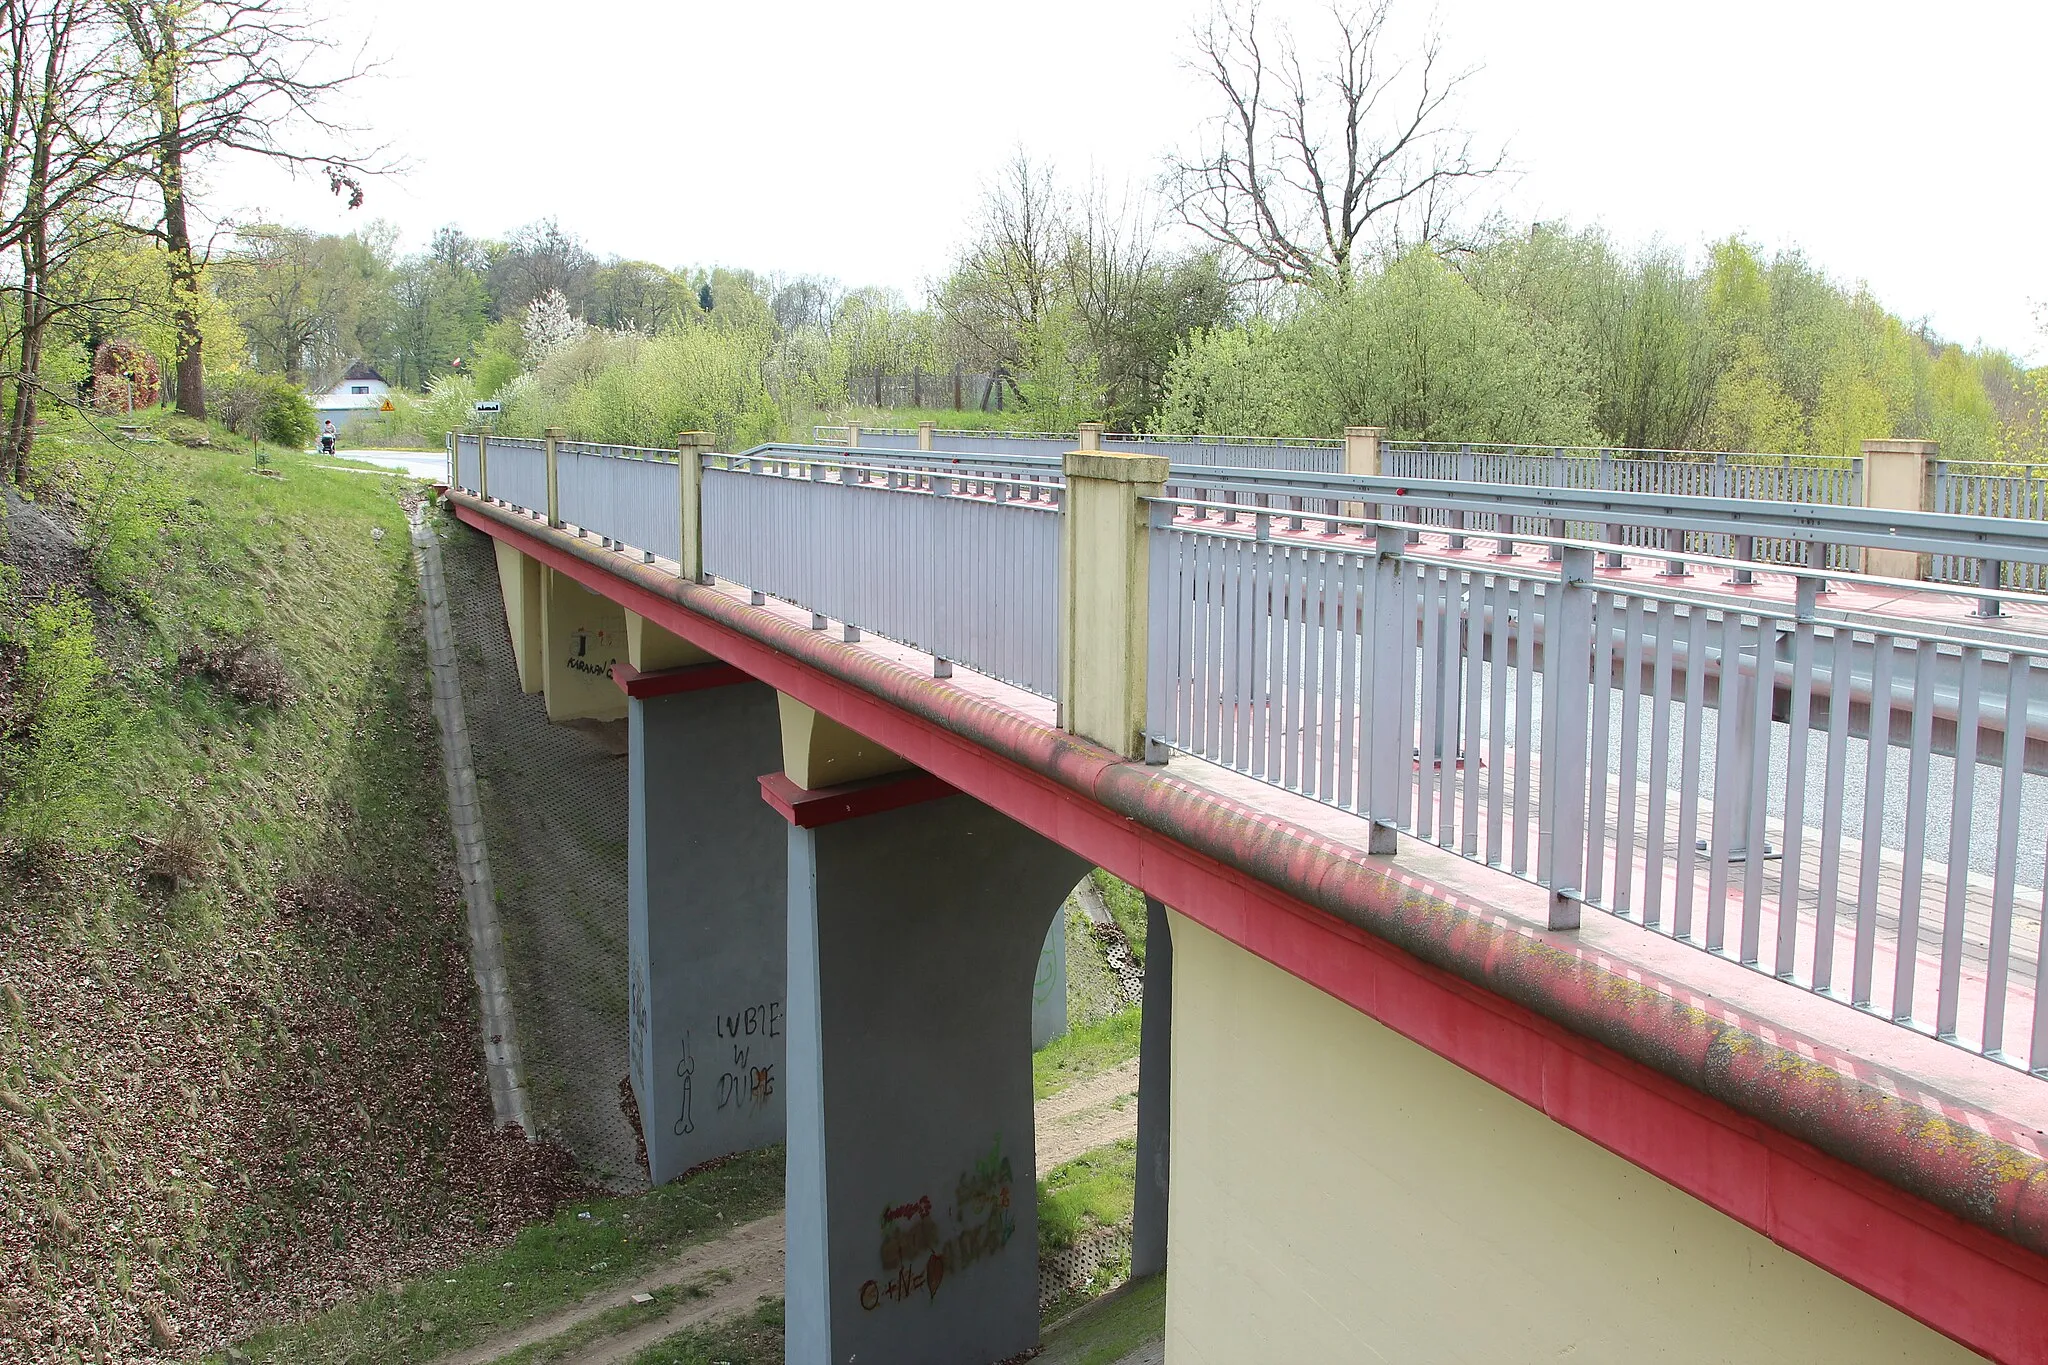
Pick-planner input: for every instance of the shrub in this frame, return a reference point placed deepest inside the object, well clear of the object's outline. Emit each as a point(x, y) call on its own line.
point(59, 725)
point(249, 669)
point(266, 407)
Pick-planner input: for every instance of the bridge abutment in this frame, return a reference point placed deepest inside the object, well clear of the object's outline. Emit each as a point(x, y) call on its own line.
point(706, 910)
point(916, 920)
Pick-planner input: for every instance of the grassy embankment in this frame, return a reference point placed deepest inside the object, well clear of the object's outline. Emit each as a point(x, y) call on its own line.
point(239, 1073)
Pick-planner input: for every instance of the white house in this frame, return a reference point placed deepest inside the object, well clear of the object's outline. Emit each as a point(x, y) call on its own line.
point(362, 392)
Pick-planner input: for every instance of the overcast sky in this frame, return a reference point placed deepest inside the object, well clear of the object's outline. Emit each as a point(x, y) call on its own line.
point(1896, 144)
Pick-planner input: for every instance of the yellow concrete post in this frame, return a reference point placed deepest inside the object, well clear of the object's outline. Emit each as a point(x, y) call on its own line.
point(1898, 475)
point(1362, 456)
point(1088, 435)
point(924, 434)
point(519, 584)
point(483, 466)
point(818, 751)
point(1362, 450)
point(1104, 612)
point(853, 436)
point(582, 636)
point(691, 448)
point(552, 435)
point(651, 649)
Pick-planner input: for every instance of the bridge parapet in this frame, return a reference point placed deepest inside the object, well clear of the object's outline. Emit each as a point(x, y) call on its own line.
point(1621, 721)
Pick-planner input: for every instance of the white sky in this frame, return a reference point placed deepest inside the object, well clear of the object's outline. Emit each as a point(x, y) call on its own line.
point(1896, 144)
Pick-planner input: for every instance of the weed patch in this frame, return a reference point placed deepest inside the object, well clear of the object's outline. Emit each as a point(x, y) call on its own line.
point(1126, 906)
point(1094, 1190)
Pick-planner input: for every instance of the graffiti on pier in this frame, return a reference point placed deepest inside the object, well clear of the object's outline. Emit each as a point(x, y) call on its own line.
point(686, 1069)
point(746, 1084)
point(638, 1017)
point(755, 1021)
point(916, 1259)
point(749, 1082)
point(580, 658)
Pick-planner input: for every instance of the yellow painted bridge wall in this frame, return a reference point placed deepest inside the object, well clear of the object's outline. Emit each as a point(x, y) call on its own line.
point(1342, 1194)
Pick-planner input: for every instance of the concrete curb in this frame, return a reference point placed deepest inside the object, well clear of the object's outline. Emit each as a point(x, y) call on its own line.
point(465, 817)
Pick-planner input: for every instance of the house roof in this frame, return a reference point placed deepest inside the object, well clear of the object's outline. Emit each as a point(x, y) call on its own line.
point(359, 370)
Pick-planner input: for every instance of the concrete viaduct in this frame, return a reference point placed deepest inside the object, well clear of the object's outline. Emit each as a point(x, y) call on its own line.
point(1407, 1118)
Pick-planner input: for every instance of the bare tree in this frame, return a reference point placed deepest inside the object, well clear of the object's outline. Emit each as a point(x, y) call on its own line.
point(248, 76)
point(1009, 275)
point(1304, 170)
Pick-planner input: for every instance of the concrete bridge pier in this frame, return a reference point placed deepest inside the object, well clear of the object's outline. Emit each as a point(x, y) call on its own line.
point(706, 904)
point(917, 918)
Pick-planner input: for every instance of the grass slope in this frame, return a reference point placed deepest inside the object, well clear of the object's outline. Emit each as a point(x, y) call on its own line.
point(239, 1073)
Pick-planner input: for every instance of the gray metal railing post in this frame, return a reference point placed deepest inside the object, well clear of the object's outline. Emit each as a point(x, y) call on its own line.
point(1737, 709)
point(1459, 518)
point(1674, 543)
point(1554, 527)
point(1392, 728)
point(1817, 560)
point(1990, 577)
point(1745, 549)
point(1603, 479)
point(1568, 684)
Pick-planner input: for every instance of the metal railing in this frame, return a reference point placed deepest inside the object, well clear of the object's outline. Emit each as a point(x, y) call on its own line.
point(1646, 525)
point(468, 473)
point(960, 563)
point(1616, 743)
point(630, 495)
point(1984, 489)
point(519, 472)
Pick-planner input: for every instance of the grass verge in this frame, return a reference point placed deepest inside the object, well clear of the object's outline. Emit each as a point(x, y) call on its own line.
point(588, 1247)
point(1111, 1328)
point(755, 1339)
point(1085, 1051)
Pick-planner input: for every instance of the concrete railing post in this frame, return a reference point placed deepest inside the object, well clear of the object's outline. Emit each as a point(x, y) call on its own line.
point(853, 436)
point(691, 448)
point(924, 434)
point(1898, 475)
point(551, 436)
point(1105, 614)
point(1088, 435)
point(483, 466)
point(1362, 456)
